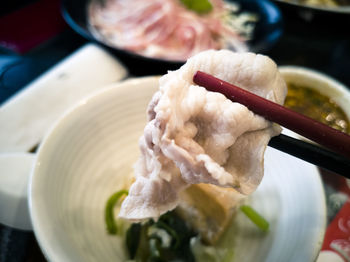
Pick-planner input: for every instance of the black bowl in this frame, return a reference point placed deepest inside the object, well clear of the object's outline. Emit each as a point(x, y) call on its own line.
point(266, 33)
point(340, 10)
point(321, 18)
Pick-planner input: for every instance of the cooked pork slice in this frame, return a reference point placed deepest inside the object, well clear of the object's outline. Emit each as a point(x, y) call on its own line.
point(195, 136)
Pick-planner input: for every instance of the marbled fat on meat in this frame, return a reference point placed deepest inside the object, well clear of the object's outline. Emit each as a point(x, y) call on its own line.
point(196, 136)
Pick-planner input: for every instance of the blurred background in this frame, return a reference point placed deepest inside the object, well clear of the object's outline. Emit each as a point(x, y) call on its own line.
point(37, 34)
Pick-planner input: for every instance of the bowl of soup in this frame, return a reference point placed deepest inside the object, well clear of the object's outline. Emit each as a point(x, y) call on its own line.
point(318, 96)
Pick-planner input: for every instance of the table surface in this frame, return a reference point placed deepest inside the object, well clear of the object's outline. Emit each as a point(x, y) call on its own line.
point(320, 42)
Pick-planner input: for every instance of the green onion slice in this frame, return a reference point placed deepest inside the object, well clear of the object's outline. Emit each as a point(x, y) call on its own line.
point(255, 217)
point(198, 6)
point(109, 214)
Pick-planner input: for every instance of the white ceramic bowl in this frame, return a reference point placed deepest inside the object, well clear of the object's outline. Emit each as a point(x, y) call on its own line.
point(91, 149)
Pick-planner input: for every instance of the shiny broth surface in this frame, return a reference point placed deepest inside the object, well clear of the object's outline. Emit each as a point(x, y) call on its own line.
point(315, 105)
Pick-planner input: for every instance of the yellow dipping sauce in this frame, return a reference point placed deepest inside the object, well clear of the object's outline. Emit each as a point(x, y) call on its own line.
point(315, 105)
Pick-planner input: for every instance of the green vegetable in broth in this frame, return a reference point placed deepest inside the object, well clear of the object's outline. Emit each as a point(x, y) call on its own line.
point(109, 214)
point(133, 236)
point(171, 238)
point(255, 217)
point(168, 239)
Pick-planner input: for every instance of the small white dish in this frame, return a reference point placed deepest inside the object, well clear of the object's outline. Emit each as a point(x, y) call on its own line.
point(90, 151)
point(326, 85)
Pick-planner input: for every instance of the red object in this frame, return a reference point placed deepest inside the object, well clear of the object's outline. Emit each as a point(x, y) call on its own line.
point(337, 236)
point(24, 29)
point(305, 126)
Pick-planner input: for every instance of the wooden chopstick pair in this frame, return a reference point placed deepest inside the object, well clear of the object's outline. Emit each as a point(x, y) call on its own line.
point(324, 135)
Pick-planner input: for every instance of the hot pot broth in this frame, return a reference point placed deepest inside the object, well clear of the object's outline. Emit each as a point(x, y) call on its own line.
point(315, 105)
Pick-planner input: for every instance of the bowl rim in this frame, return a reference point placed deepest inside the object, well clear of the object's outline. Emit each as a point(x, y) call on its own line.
point(341, 95)
point(339, 10)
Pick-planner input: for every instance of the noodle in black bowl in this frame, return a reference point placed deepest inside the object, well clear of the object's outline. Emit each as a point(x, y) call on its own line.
point(267, 31)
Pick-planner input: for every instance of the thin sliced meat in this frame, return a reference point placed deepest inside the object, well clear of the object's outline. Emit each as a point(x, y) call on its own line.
point(195, 136)
point(163, 28)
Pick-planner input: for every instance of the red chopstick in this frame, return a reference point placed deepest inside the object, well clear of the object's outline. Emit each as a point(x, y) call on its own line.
point(322, 134)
